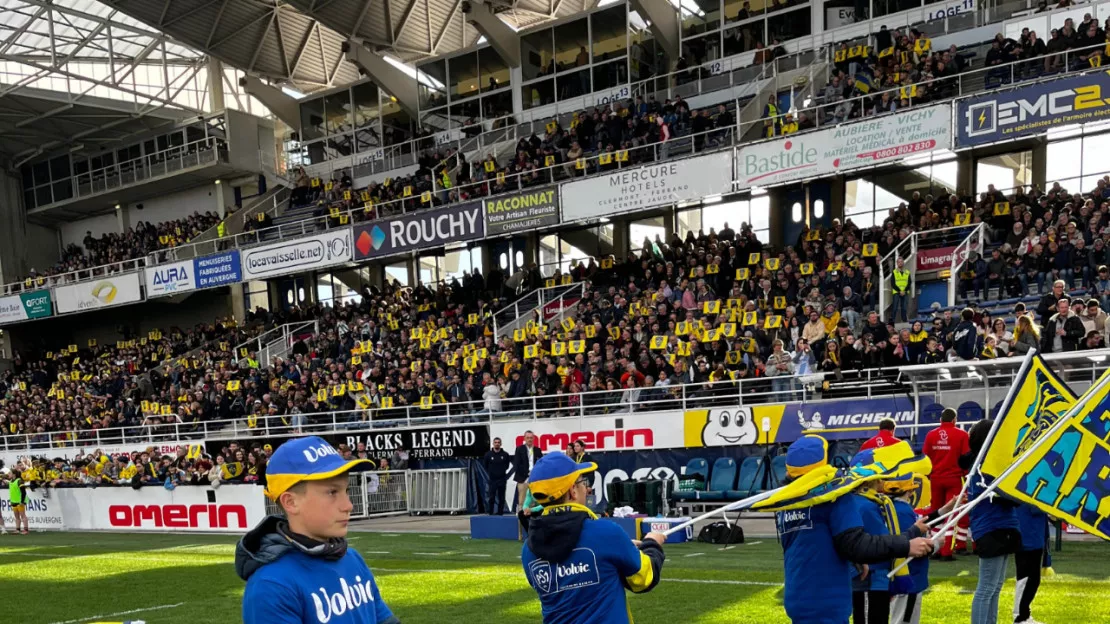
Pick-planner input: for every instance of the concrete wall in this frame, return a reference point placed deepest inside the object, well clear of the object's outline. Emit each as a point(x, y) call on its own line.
point(12, 229)
point(74, 232)
point(42, 247)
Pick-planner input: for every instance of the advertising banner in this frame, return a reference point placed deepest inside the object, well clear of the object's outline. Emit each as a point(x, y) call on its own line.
point(170, 279)
point(637, 188)
point(42, 513)
point(219, 270)
point(522, 211)
point(110, 291)
point(1032, 110)
point(311, 252)
point(938, 259)
point(450, 442)
point(10, 457)
point(599, 433)
point(416, 230)
point(25, 306)
point(844, 147)
point(952, 8)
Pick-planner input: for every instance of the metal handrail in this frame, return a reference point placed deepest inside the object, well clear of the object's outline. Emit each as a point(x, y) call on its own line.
point(1075, 368)
point(974, 241)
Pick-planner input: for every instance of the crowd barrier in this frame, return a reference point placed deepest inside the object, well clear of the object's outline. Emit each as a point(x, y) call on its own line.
point(227, 509)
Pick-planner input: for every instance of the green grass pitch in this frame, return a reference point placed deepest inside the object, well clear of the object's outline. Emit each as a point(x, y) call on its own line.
point(73, 578)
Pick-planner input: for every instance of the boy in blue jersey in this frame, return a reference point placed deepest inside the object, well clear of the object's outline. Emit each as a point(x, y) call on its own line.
point(1033, 524)
point(905, 605)
point(820, 543)
point(580, 566)
point(298, 568)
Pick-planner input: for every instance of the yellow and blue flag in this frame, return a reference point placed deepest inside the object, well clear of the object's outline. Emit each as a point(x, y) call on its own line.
point(825, 484)
point(1038, 402)
point(1068, 475)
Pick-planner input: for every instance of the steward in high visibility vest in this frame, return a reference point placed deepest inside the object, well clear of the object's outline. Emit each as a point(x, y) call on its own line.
point(901, 281)
point(771, 114)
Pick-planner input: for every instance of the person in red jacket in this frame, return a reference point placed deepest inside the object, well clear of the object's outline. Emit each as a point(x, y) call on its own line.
point(885, 437)
point(944, 446)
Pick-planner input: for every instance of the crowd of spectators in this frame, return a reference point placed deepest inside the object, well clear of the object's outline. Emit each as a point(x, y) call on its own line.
point(712, 308)
point(136, 242)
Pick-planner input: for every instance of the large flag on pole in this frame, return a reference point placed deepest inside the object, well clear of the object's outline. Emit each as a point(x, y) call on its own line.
point(825, 484)
point(1038, 401)
point(1067, 473)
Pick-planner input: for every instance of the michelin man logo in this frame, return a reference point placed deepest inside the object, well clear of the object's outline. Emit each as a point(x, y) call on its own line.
point(813, 423)
point(729, 426)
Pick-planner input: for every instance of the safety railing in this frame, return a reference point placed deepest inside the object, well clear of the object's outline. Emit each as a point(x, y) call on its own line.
point(908, 251)
point(943, 380)
point(974, 242)
point(165, 162)
point(551, 300)
point(280, 335)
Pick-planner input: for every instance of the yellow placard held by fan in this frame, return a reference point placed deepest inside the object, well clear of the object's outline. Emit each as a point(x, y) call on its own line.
point(1001, 209)
point(753, 258)
point(734, 304)
point(683, 349)
point(615, 333)
point(472, 318)
point(146, 406)
point(711, 307)
point(347, 195)
point(92, 342)
point(367, 206)
point(813, 235)
point(870, 250)
point(329, 186)
point(490, 166)
point(551, 127)
point(501, 177)
point(549, 161)
point(167, 410)
point(407, 191)
point(506, 356)
point(354, 386)
point(591, 331)
point(387, 402)
point(682, 328)
point(607, 263)
point(963, 218)
point(363, 401)
point(233, 385)
point(751, 319)
point(72, 348)
point(426, 197)
point(356, 360)
point(558, 348)
point(772, 264)
point(334, 211)
point(482, 353)
point(728, 330)
point(748, 345)
point(364, 196)
point(780, 303)
point(75, 375)
point(580, 164)
point(622, 156)
point(415, 366)
point(520, 335)
point(836, 265)
point(712, 269)
point(693, 272)
point(426, 402)
point(732, 358)
point(658, 343)
point(531, 351)
point(322, 395)
point(576, 346)
point(567, 324)
point(566, 281)
point(772, 321)
point(605, 158)
point(339, 390)
point(743, 274)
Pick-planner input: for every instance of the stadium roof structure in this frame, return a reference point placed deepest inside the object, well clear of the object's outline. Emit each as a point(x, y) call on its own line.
point(298, 43)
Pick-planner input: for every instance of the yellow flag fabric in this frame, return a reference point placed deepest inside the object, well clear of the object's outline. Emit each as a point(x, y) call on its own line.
point(1038, 403)
point(1068, 476)
point(825, 484)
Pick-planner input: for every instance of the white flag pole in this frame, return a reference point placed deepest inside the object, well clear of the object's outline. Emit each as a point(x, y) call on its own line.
point(1064, 421)
point(1025, 366)
point(740, 504)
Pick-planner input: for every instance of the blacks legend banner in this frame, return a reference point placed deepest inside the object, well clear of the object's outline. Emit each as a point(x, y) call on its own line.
point(522, 211)
point(450, 442)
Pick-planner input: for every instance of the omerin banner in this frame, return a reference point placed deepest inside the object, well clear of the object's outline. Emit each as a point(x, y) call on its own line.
point(311, 252)
point(1033, 109)
point(416, 230)
point(519, 212)
point(657, 184)
point(845, 147)
point(452, 441)
point(25, 306)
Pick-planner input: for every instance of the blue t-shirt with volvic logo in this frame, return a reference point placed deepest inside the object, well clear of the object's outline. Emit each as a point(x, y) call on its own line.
point(818, 582)
point(300, 589)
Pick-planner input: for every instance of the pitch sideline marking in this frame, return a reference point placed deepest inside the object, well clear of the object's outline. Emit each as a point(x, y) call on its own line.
point(108, 615)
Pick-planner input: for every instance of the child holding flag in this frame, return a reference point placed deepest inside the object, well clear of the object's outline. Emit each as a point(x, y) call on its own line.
point(907, 494)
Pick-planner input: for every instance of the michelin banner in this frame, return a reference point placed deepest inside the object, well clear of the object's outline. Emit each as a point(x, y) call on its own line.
point(25, 306)
point(110, 291)
point(652, 185)
point(845, 147)
point(300, 254)
point(1033, 110)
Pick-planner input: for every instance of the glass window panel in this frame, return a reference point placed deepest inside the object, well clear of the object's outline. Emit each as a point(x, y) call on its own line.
point(739, 10)
point(397, 125)
point(325, 293)
point(611, 74)
point(337, 107)
point(689, 221)
point(703, 49)
point(41, 172)
point(367, 107)
point(537, 54)
point(432, 79)
point(398, 272)
point(699, 16)
point(642, 233)
point(1007, 171)
point(786, 25)
point(497, 106)
point(367, 138)
point(642, 60)
point(59, 168)
point(493, 71)
point(538, 93)
point(28, 176)
point(572, 43)
point(549, 254)
point(573, 84)
point(609, 33)
point(743, 38)
point(312, 119)
point(1095, 164)
point(463, 72)
point(42, 195)
point(29, 199)
point(63, 190)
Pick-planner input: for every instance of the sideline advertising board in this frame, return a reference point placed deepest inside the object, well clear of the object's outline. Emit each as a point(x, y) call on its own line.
point(1032, 110)
point(229, 509)
point(25, 306)
point(106, 292)
point(526, 210)
point(637, 188)
point(302, 254)
point(448, 442)
point(10, 457)
point(420, 229)
point(845, 147)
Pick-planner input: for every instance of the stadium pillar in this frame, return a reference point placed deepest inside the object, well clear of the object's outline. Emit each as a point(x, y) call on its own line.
point(238, 302)
point(778, 209)
point(501, 37)
point(216, 84)
point(663, 18)
point(282, 106)
point(965, 173)
point(13, 230)
point(392, 80)
point(621, 229)
point(1040, 163)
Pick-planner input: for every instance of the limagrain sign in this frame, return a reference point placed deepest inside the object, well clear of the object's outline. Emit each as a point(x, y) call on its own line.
point(522, 211)
point(416, 230)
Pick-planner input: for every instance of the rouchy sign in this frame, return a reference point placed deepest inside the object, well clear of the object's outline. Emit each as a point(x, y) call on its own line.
point(312, 252)
point(25, 306)
point(423, 228)
point(522, 211)
point(456, 441)
point(844, 147)
point(637, 188)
